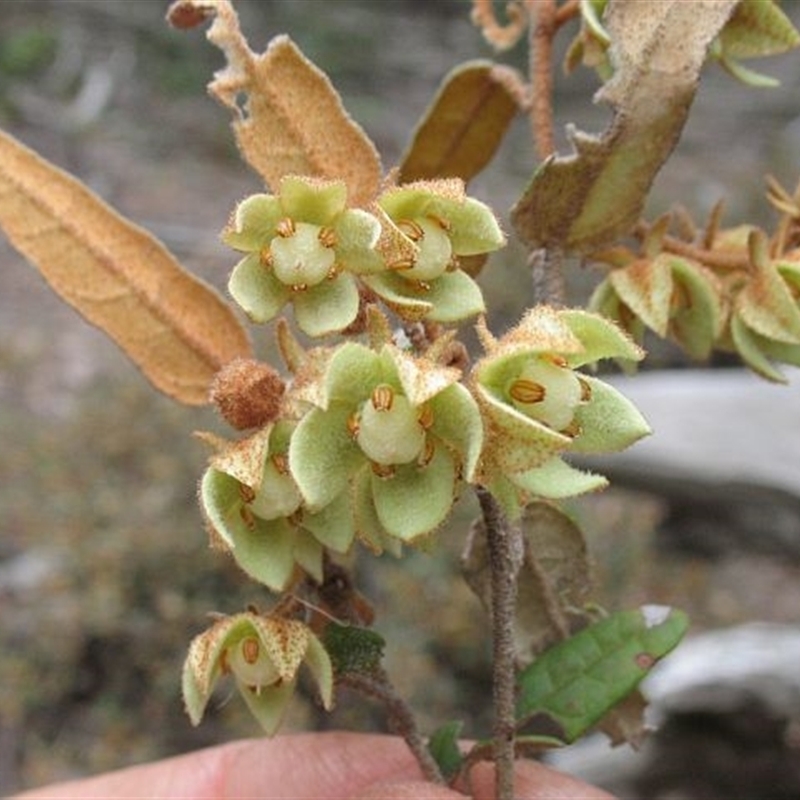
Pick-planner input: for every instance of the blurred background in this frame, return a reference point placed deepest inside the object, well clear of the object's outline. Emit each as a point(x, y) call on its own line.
point(105, 573)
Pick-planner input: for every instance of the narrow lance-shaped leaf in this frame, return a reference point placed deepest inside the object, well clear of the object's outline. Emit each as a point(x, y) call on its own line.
point(572, 685)
point(584, 200)
point(465, 124)
point(173, 326)
point(292, 121)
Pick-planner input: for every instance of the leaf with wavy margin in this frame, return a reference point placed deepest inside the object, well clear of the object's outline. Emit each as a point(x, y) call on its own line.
point(173, 326)
point(289, 120)
point(585, 200)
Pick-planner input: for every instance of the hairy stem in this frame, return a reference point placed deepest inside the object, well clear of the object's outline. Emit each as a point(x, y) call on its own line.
point(547, 274)
point(401, 719)
point(542, 28)
point(504, 542)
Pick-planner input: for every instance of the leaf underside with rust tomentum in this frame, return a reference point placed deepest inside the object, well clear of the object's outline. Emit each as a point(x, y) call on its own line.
point(174, 327)
point(289, 120)
point(585, 200)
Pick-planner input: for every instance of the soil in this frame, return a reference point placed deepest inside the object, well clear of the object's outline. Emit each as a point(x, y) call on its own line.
point(104, 570)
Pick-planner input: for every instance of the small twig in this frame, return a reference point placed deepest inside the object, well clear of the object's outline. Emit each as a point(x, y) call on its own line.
point(505, 559)
point(401, 718)
point(722, 260)
point(501, 37)
point(542, 27)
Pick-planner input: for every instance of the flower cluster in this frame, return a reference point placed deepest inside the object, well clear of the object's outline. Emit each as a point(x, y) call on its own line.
point(306, 247)
point(736, 291)
point(373, 442)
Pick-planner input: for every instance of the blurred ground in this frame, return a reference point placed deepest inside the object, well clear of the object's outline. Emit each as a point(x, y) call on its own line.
point(104, 570)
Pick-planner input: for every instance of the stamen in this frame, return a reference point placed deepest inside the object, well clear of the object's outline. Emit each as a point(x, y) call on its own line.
point(265, 257)
point(383, 470)
point(427, 453)
point(442, 222)
point(558, 361)
point(353, 424)
point(402, 263)
point(527, 391)
point(247, 493)
point(299, 287)
point(572, 430)
point(280, 462)
point(285, 228)
point(250, 650)
point(247, 517)
point(411, 229)
point(382, 398)
point(327, 237)
point(425, 418)
point(586, 390)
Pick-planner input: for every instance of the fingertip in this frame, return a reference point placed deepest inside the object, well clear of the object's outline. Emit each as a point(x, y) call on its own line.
point(408, 790)
point(534, 781)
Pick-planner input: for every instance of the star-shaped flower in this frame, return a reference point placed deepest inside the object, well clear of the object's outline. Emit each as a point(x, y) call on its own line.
point(304, 246)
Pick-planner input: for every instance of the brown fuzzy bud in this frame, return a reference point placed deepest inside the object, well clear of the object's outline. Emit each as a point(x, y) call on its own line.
point(247, 393)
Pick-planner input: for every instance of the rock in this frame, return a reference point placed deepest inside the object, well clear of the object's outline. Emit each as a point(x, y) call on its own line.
point(725, 456)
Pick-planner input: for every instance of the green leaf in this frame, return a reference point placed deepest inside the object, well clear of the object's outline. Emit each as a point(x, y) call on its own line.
point(443, 746)
point(584, 200)
point(573, 684)
point(465, 124)
point(353, 649)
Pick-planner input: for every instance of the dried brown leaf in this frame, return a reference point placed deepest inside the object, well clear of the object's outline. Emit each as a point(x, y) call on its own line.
point(465, 124)
point(583, 201)
point(289, 120)
point(173, 326)
point(552, 586)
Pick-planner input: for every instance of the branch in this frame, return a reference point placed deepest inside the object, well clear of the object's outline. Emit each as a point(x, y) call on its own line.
point(401, 719)
point(505, 558)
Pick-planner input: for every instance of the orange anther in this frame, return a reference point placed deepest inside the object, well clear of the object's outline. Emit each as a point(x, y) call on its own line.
point(382, 398)
point(527, 391)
